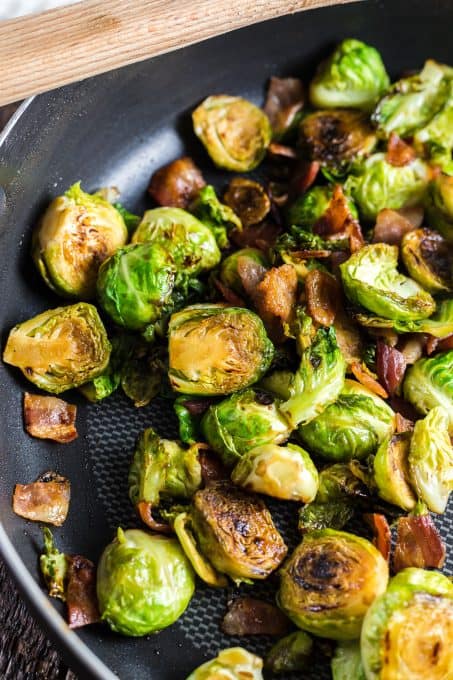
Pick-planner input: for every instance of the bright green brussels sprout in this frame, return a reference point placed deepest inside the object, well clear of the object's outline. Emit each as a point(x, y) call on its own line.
point(220, 218)
point(346, 662)
point(189, 244)
point(330, 581)
point(352, 427)
point(230, 664)
point(229, 267)
point(216, 350)
point(391, 472)
point(291, 653)
point(144, 582)
point(318, 380)
point(371, 279)
point(436, 138)
point(234, 132)
point(439, 205)
point(354, 76)
point(61, 348)
point(408, 631)
point(54, 566)
point(378, 185)
point(427, 258)
point(429, 383)
point(77, 232)
point(331, 515)
point(431, 459)
point(285, 472)
point(242, 421)
point(440, 324)
point(311, 206)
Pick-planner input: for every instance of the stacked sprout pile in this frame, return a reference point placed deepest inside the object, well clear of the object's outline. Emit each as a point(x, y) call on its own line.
point(303, 328)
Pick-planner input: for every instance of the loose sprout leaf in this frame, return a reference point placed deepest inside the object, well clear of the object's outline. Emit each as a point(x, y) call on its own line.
point(391, 471)
point(439, 206)
point(330, 515)
point(346, 662)
point(54, 566)
point(130, 220)
point(219, 217)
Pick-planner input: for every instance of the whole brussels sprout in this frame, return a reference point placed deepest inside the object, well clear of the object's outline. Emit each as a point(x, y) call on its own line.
point(76, 234)
point(242, 421)
point(329, 582)
point(230, 664)
point(229, 267)
point(285, 472)
point(408, 631)
point(234, 132)
point(189, 244)
point(391, 471)
point(216, 350)
point(312, 206)
point(144, 582)
point(61, 348)
point(216, 215)
point(291, 653)
point(354, 76)
point(346, 662)
point(431, 459)
point(371, 279)
point(439, 205)
point(427, 258)
point(429, 383)
point(352, 427)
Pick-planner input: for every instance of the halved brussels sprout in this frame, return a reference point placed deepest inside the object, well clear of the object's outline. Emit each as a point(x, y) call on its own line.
point(291, 653)
point(408, 631)
point(354, 76)
point(428, 259)
point(330, 581)
point(229, 267)
point(429, 383)
point(352, 427)
point(188, 242)
point(431, 459)
point(235, 132)
point(346, 662)
point(248, 199)
point(371, 279)
point(230, 664)
point(440, 324)
point(391, 471)
point(61, 348)
point(285, 472)
point(220, 218)
point(215, 349)
point(76, 234)
point(243, 421)
point(312, 206)
point(337, 482)
point(330, 515)
point(144, 582)
point(439, 205)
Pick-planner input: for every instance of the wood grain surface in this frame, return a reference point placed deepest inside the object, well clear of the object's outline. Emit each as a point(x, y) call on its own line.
point(44, 51)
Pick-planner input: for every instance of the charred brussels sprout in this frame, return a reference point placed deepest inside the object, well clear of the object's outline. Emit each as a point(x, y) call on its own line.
point(242, 421)
point(144, 582)
point(219, 217)
point(371, 279)
point(248, 199)
point(408, 631)
point(439, 206)
point(230, 664)
point(216, 350)
point(312, 206)
point(76, 234)
point(235, 132)
point(285, 472)
point(431, 459)
point(61, 348)
point(354, 76)
point(346, 662)
point(352, 427)
point(291, 653)
point(229, 267)
point(429, 383)
point(330, 581)
point(428, 260)
point(391, 471)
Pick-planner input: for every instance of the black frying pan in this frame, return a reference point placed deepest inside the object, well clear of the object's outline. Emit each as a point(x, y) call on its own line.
point(116, 129)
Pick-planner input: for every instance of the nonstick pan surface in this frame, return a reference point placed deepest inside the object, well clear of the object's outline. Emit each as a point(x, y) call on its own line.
point(116, 129)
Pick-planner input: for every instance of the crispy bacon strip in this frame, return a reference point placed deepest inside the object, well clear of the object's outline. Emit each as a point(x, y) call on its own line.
point(249, 616)
point(145, 510)
point(444, 344)
point(337, 216)
point(285, 98)
point(381, 530)
point(251, 274)
point(414, 214)
point(390, 366)
point(275, 299)
point(81, 596)
point(177, 183)
point(398, 152)
point(46, 500)
point(366, 379)
point(49, 418)
point(322, 293)
point(390, 227)
point(418, 544)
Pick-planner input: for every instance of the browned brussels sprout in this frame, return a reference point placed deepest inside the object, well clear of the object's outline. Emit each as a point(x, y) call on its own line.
point(248, 200)
point(428, 259)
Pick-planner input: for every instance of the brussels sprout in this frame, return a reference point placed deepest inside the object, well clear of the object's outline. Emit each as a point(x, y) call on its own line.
point(346, 662)
point(312, 206)
point(230, 664)
point(331, 515)
point(229, 267)
point(241, 422)
point(318, 380)
point(391, 473)
point(408, 631)
point(189, 420)
point(371, 279)
point(142, 373)
point(188, 243)
point(337, 482)
point(218, 217)
point(429, 383)
point(285, 472)
point(216, 350)
point(54, 566)
point(144, 582)
point(291, 653)
point(130, 220)
point(431, 459)
point(109, 380)
point(428, 260)
point(440, 324)
point(378, 185)
point(60, 348)
point(330, 581)
point(77, 232)
point(439, 205)
point(183, 527)
point(354, 76)
point(234, 132)
point(436, 138)
point(248, 199)
point(352, 427)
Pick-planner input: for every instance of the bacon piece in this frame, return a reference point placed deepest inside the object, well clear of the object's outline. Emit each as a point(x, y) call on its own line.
point(49, 418)
point(348, 335)
point(398, 152)
point(404, 408)
point(390, 366)
point(411, 347)
point(381, 530)
point(444, 344)
point(364, 377)
point(322, 293)
point(229, 295)
point(251, 274)
point(249, 616)
point(337, 216)
point(81, 596)
point(177, 183)
point(261, 236)
point(403, 424)
point(418, 544)
point(277, 149)
point(275, 298)
point(46, 500)
point(145, 510)
point(303, 177)
point(212, 469)
point(414, 214)
point(390, 227)
point(285, 98)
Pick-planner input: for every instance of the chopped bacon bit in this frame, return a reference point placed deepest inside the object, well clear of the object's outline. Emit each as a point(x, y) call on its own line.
point(81, 596)
point(403, 424)
point(338, 257)
point(337, 216)
point(197, 407)
point(46, 500)
point(398, 152)
point(285, 98)
point(212, 469)
point(177, 183)
point(249, 616)
point(303, 177)
point(364, 377)
point(322, 293)
point(441, 345)
point(418, 544)
point(145, 510)
point(229, 295)
point(390, 227)
point(275, 298)
point(348, 335)
point(278, 193)
point(281, 150)
point(262, 236)
point(381, 530)
point(414, 214)
point(390, 366)
point(49, 418)
point(354, 233)
point(309, 254)
point(251, 274)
